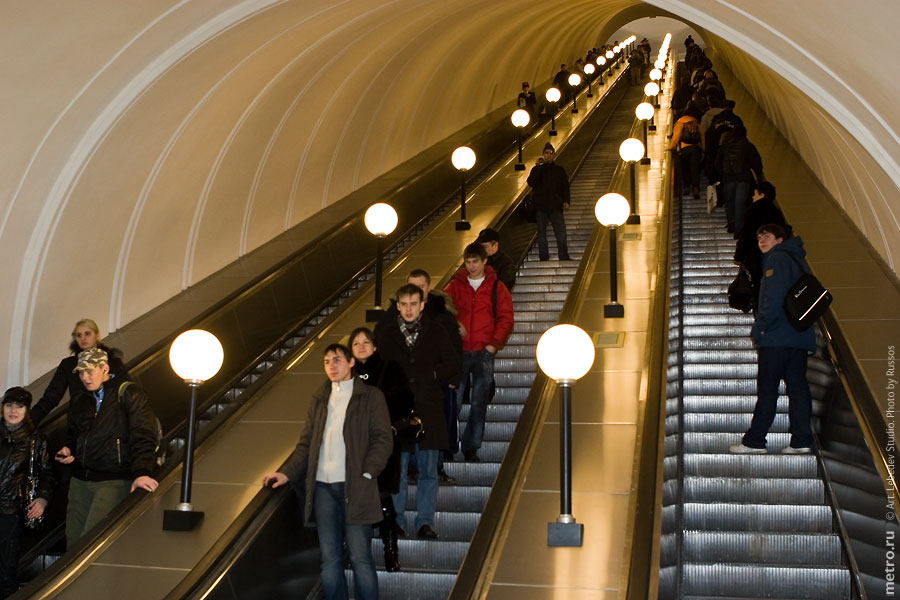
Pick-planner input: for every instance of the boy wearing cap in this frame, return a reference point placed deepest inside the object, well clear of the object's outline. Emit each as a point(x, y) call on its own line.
point(551, 198)
point(111, 442)
point(23, 455)
point(497, 259)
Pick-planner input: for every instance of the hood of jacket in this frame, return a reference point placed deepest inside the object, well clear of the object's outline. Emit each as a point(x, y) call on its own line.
point(792, 246)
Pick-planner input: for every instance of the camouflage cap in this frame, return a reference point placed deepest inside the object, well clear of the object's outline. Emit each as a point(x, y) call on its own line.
point(91, 359)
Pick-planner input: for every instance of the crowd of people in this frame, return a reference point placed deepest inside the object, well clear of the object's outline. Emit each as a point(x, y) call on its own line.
point(709, 138)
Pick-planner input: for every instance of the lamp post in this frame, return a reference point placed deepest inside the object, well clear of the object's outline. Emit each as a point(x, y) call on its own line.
point(644, 112)
point(574, 82)
point(661, 65)
point(565, 354)
point(652, 89)
point(589, 70)
point(520, 119)
point(631, 151)
point(195, 356)
point(553, 95)
point(601, 60)
point(463, 159)
point(612, 211)
point(617, 52)
point(381, 220)
point(609, 57)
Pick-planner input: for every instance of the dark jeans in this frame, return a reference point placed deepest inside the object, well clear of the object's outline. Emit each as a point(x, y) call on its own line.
point(10, 535)
point(426, 487)
point(775, 364)
point(328, 509)
point(689, 164)
point(737, 193)
point(480, 365)
point(556, 218)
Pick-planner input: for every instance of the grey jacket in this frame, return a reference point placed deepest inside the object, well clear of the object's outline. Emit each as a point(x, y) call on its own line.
point(368, 442)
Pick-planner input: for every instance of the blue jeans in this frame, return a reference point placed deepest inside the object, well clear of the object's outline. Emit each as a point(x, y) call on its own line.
point(426, 488)
point(328, 508)
point(480, 364)
point(775, 364)
point(555, 217)
point(736, 195)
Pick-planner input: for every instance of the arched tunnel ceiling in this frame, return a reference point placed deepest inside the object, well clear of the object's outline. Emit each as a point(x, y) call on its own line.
point(147, 145)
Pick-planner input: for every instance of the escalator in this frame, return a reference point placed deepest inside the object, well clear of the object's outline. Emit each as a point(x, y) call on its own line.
point(429, 568)
point(761, 526)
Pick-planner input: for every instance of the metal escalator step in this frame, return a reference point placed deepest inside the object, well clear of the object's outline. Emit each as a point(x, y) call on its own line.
point(729, 423)
point(479, 474)
point(411, 585)
point(494, 431)
point(720, 356)
point(495, 412)
point(800, 466)
point(712, 277)
point(718, 343)
point(514, 379)
point(450, 526)
point(546, 316)
point(511, 395)
point(523, 339)
point(762, 548)
point(510, 351)
point(718, 443)
point(730, 387)
point(523, 296)
point(533, 327)
point(714, 331)
point(433, 555)
point(542, 288)
point(757, 491)
point(453, 498)
point(757, 517)
point(539, 305)
point(728, 371)
point(551, 279)
point(732, 319)
point(515, 365)
point(718, 580)
point(726, 404)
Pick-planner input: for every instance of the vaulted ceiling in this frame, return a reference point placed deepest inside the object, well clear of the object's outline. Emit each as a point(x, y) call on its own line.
point(149, 144)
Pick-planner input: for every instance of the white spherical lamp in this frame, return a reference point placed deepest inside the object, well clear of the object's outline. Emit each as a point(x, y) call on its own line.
point(463, 158)
point(612, 210)
point(520, 117)
point(644, 111)
point(631, 150)
point(651, 89)
point(565, 353)
point(574, 79)
point(601, 60)
point(655, 74)
point(589, 69)
point(609, 54)
point(553, 95)
point(196, 355)
point(381, 219)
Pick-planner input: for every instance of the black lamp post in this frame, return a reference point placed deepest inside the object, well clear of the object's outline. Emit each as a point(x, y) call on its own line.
point(601, 62)
point(612, 211)
point(520, 118)
point(631, 151)
point(380, 220)
point(463, 159)
point(195, 356)
point(553, 95)
point(565, 354)
point(644, 112)
point(574, 82)
point(588, 71)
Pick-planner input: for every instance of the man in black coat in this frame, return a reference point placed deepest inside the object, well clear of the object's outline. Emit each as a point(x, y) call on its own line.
point(424, 350)
point(551, 198)
point(763, 211)
point(498, 260)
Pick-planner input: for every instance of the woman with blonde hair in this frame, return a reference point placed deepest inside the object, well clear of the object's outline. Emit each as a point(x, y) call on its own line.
point(85, 335)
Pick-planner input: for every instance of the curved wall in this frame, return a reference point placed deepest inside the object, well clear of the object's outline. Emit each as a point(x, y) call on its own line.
point(147, 145)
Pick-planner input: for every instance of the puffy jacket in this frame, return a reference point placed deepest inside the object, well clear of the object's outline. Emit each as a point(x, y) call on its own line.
point(368, 442)
point(475, 310)
point(116, 442)
point(66, 379)
point(780, 272)
point(15, 464)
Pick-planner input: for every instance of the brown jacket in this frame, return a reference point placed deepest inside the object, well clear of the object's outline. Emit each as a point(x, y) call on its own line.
point(368, 442)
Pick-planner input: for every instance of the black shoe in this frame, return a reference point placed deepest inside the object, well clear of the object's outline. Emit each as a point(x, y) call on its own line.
point(443, 478)
point(448, 456)
point(566, 257)
point(400, 532)
point(471, 455)
point(730, 228)
point(426, 533)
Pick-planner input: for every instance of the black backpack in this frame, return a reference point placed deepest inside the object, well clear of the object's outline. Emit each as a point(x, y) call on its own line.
point(690, 133)
point(733, 159)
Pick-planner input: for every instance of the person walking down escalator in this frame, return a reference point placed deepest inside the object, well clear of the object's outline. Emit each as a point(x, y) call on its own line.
point(687, 142)
point(389, 377)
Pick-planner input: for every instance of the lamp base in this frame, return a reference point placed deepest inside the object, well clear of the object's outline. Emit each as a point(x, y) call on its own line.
point(373, 315)
point(181, 520)
point(520, 166)
point(633, 220)
point(645, 161)
point(613, 310)
point(463, 226)
point(574, 111)
point(589, 95)
point(552, 132)
point(652, 128)
point(565, 534)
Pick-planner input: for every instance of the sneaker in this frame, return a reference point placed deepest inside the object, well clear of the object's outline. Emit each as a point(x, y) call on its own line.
point(792, 450)
point(426, 533)
point(742, 449)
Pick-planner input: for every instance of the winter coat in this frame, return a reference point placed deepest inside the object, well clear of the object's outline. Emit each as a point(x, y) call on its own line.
point(780, 272)
point(475, 310)
point(748, 167)
point(368, 443)
point(15, 464)
point(388, 376)
point(116, 442)
point(551, 186)
point(676, 143)
point(505, 268)
point(66, 379)
point(429, 364)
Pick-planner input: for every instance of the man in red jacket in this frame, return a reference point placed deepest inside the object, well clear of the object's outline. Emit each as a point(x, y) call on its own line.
point(485, 315)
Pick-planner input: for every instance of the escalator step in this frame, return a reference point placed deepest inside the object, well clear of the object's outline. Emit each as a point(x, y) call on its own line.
point(762, 491)
point(763, 548)
point(766, 581)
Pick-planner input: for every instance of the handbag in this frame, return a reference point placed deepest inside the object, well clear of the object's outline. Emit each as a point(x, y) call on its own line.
point(806, 300)
point(712, 198)
point(408, 429)
point(740, 292)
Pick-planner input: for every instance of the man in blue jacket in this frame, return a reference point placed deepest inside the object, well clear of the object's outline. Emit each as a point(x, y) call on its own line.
point(781, 349)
